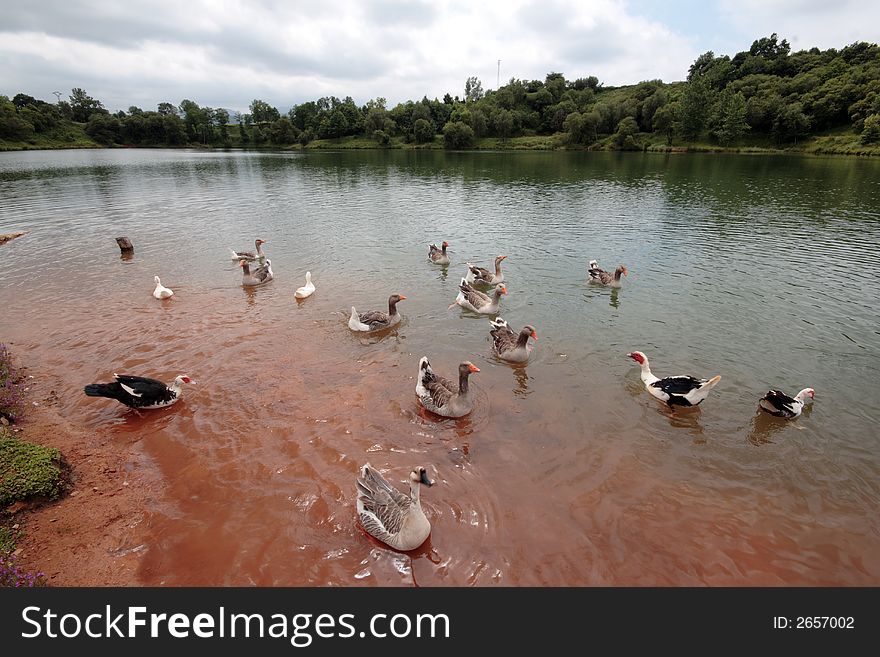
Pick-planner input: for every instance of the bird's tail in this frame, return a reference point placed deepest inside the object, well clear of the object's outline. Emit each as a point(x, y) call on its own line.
point(498, 323)
point(594, 264)
point(101, 390)
point(425, 371)
point(235, 256)
point(711, 383)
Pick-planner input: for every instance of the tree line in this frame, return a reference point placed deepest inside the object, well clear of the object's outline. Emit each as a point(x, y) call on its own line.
point(766, 91)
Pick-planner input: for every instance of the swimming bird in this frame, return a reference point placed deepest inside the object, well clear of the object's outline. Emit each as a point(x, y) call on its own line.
point(393, 517)
point(259, 276)
point(477, 301)
point(780, 404)
point(484, 276)
point(161, 292)
point(440, 395)
point(674, 390)
point(139, 392)
point(307, 289)
point(257, 253)
point(375, 320)
point(438, 256)
point(511, 346)
point(603, 277)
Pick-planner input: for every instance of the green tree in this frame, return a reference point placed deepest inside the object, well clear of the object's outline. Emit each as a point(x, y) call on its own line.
point(729, 122)
point(473, 89)
point(166, 109)
point(694, 109)
point(263, 112)
point(791, 123)
point(871, 131)
point(502, 122)
point(626, 133)
point(423, 131)
point(283, 132)
point(664, 121)
point(458, 134)
point(82, 105)
point(104, 129)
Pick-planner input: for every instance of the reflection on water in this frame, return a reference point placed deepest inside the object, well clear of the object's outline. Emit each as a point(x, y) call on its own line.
point(568, 473)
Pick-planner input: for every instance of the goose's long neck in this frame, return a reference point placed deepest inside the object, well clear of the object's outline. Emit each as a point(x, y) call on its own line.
point(392, 307)
point(414, 490)
point(497, 267)
point(259, 246)
point(463, 382)
point(246, 269)
point(444, 249)
point(523, 338)
point(497, 295)
point(618, 273)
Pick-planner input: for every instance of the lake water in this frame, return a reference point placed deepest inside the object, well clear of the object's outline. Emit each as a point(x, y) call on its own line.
point(762, 269)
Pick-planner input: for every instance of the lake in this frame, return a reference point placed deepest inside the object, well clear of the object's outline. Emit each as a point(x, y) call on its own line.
point(762, 269)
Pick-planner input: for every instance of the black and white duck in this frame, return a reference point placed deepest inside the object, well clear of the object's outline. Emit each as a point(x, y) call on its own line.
point(674, 390)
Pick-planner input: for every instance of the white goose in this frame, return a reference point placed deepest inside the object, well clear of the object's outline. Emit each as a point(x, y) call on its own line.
point(161, 292)
point(387, 514)
point(307, 289)
point(674, 390)
point(779, 404)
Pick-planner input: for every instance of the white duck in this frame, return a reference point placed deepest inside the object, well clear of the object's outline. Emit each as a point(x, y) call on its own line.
point(780, 404)
point(307, 289)
point(387, 514)
point(674, 390)
point(477, 301)
point(484, 276)
point(376, 320)
point(250, 256)
point(259, 276)
point(161, 292)
point(440, 395)
point(510, 346)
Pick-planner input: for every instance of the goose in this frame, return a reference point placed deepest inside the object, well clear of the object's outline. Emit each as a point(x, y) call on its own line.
point(477, 301)
point(139, 392)
point(674, 390)
point(259, 276)
point(603, 277)
point(440, 395)
point(375, 320)
point(510, 346)
point(438, 256)
point(387, 514)
point(307, 289)
point(250, 256)
point(161, 292)
point(780, 404)
point(484, 276)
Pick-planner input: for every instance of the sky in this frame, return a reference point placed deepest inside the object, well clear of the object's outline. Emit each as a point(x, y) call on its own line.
point(226, 53)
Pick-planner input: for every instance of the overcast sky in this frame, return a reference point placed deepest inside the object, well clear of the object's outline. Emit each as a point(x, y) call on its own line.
point(225, 53)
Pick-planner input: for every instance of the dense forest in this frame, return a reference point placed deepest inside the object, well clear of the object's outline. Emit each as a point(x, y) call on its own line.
point(765, 96)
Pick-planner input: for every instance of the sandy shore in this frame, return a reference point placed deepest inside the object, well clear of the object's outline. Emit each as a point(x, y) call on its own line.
point(91, 535)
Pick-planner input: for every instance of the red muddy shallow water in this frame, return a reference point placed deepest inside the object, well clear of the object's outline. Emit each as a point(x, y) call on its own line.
point(567, 473)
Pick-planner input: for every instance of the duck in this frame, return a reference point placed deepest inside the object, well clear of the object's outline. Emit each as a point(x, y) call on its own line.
point(375, 320)
point(259, 276)
point(484, 276)
point(306, 290)
point(510, 346)
point(779, 404)
point(250, 256)
point(139, 392)
point(161, 292)
point(674, 390)
point(440, 395)
point(477, 301)
point(388, 515)
point(603, 277)
point(438, 256)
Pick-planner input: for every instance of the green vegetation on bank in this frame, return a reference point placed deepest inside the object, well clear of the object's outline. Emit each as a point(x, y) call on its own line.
point(763, 99)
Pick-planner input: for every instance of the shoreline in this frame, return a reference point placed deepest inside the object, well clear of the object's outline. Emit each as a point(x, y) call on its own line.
point(91, 535)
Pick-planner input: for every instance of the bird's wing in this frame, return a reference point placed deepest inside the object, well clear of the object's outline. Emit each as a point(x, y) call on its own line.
point(780, 400)
point(139, 386)
point(474, 297)
point(678, 385)
point(384, 502)
point(374, 318)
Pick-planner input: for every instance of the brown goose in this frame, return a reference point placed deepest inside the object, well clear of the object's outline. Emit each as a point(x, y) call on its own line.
point(477, 301)
point(603, 277)
point(375, 320)
point(260, 275)
point(484, 276)
point(394, 518)
point(440, 395)
point(510, 346)
point(438, 256)
point(250, 255)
